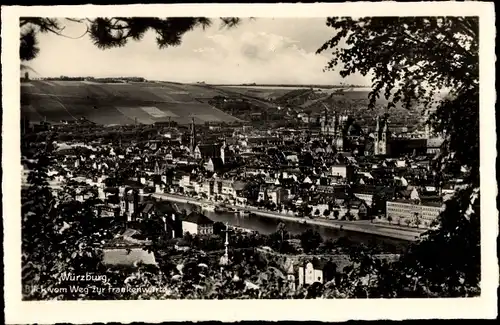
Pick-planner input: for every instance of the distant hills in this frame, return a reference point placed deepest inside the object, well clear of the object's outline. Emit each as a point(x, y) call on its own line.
point(287, 85)
point(112, 101)
point(352, 101)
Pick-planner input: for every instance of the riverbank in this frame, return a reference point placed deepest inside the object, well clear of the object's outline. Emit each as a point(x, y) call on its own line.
point(407, 234)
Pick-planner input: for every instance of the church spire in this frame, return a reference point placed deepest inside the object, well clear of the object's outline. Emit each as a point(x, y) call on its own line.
point(192, 145)
point(224, 260)
point(223, 150)
point(157, 168)
point(226, 244)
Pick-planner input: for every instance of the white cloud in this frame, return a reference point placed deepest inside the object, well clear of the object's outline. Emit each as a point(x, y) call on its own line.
point(265, 58)
point(263, 51)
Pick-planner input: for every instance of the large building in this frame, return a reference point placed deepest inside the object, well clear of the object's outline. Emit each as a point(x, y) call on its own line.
point(398, 147)
point(276, 195)
point(346, 172)
point(386, 145)
point(368, 198)
point(434, 145)
point(272, 194)
point(197, 224)
point(407, 212)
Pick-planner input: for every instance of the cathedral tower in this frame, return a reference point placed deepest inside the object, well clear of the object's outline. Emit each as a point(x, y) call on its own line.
point(380, 145)
point(383, 139)
point(338, 139)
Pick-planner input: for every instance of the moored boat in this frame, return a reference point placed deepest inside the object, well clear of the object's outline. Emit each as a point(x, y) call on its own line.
point(244, 213)
point(208, 207)
point(221, 208)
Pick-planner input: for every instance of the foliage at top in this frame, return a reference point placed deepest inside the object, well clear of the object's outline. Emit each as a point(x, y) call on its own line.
point(107, 33)
point(414, 56)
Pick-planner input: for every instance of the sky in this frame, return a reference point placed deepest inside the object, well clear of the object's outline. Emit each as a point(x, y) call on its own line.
point(264, 50)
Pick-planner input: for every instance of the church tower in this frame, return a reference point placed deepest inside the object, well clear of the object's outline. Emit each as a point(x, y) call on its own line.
point(383, 140)
point(338, 134)
point(380, 145)
point(192, 144)
point(223, 149)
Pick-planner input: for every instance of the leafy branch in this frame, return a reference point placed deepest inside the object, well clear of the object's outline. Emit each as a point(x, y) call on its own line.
point(106, 33)
point(412, 60)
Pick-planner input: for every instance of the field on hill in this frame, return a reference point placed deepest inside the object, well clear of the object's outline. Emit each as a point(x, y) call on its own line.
point(119, 103)
point(262, 92)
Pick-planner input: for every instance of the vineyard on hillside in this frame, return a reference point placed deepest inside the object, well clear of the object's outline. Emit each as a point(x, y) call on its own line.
point(118, 103)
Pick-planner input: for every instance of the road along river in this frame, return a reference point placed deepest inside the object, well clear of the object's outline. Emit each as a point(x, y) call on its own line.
point(392, 237)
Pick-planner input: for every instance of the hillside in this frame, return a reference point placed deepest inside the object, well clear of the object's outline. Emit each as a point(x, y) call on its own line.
point(353, 101)
point(119, 103)
point(123, 103)
point(258, 103)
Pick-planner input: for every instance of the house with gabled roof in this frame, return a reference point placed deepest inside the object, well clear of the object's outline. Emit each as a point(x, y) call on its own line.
point(128, 257)
point(276, 194)
point(206, 151)
point(196, 223)
point(310, 272)
point(215, 164)
point(128, 250)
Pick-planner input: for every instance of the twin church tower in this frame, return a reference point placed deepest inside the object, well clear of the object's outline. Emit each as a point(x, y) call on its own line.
point(337, 127)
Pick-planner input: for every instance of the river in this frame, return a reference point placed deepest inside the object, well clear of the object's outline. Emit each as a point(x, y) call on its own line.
point(266, 225)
